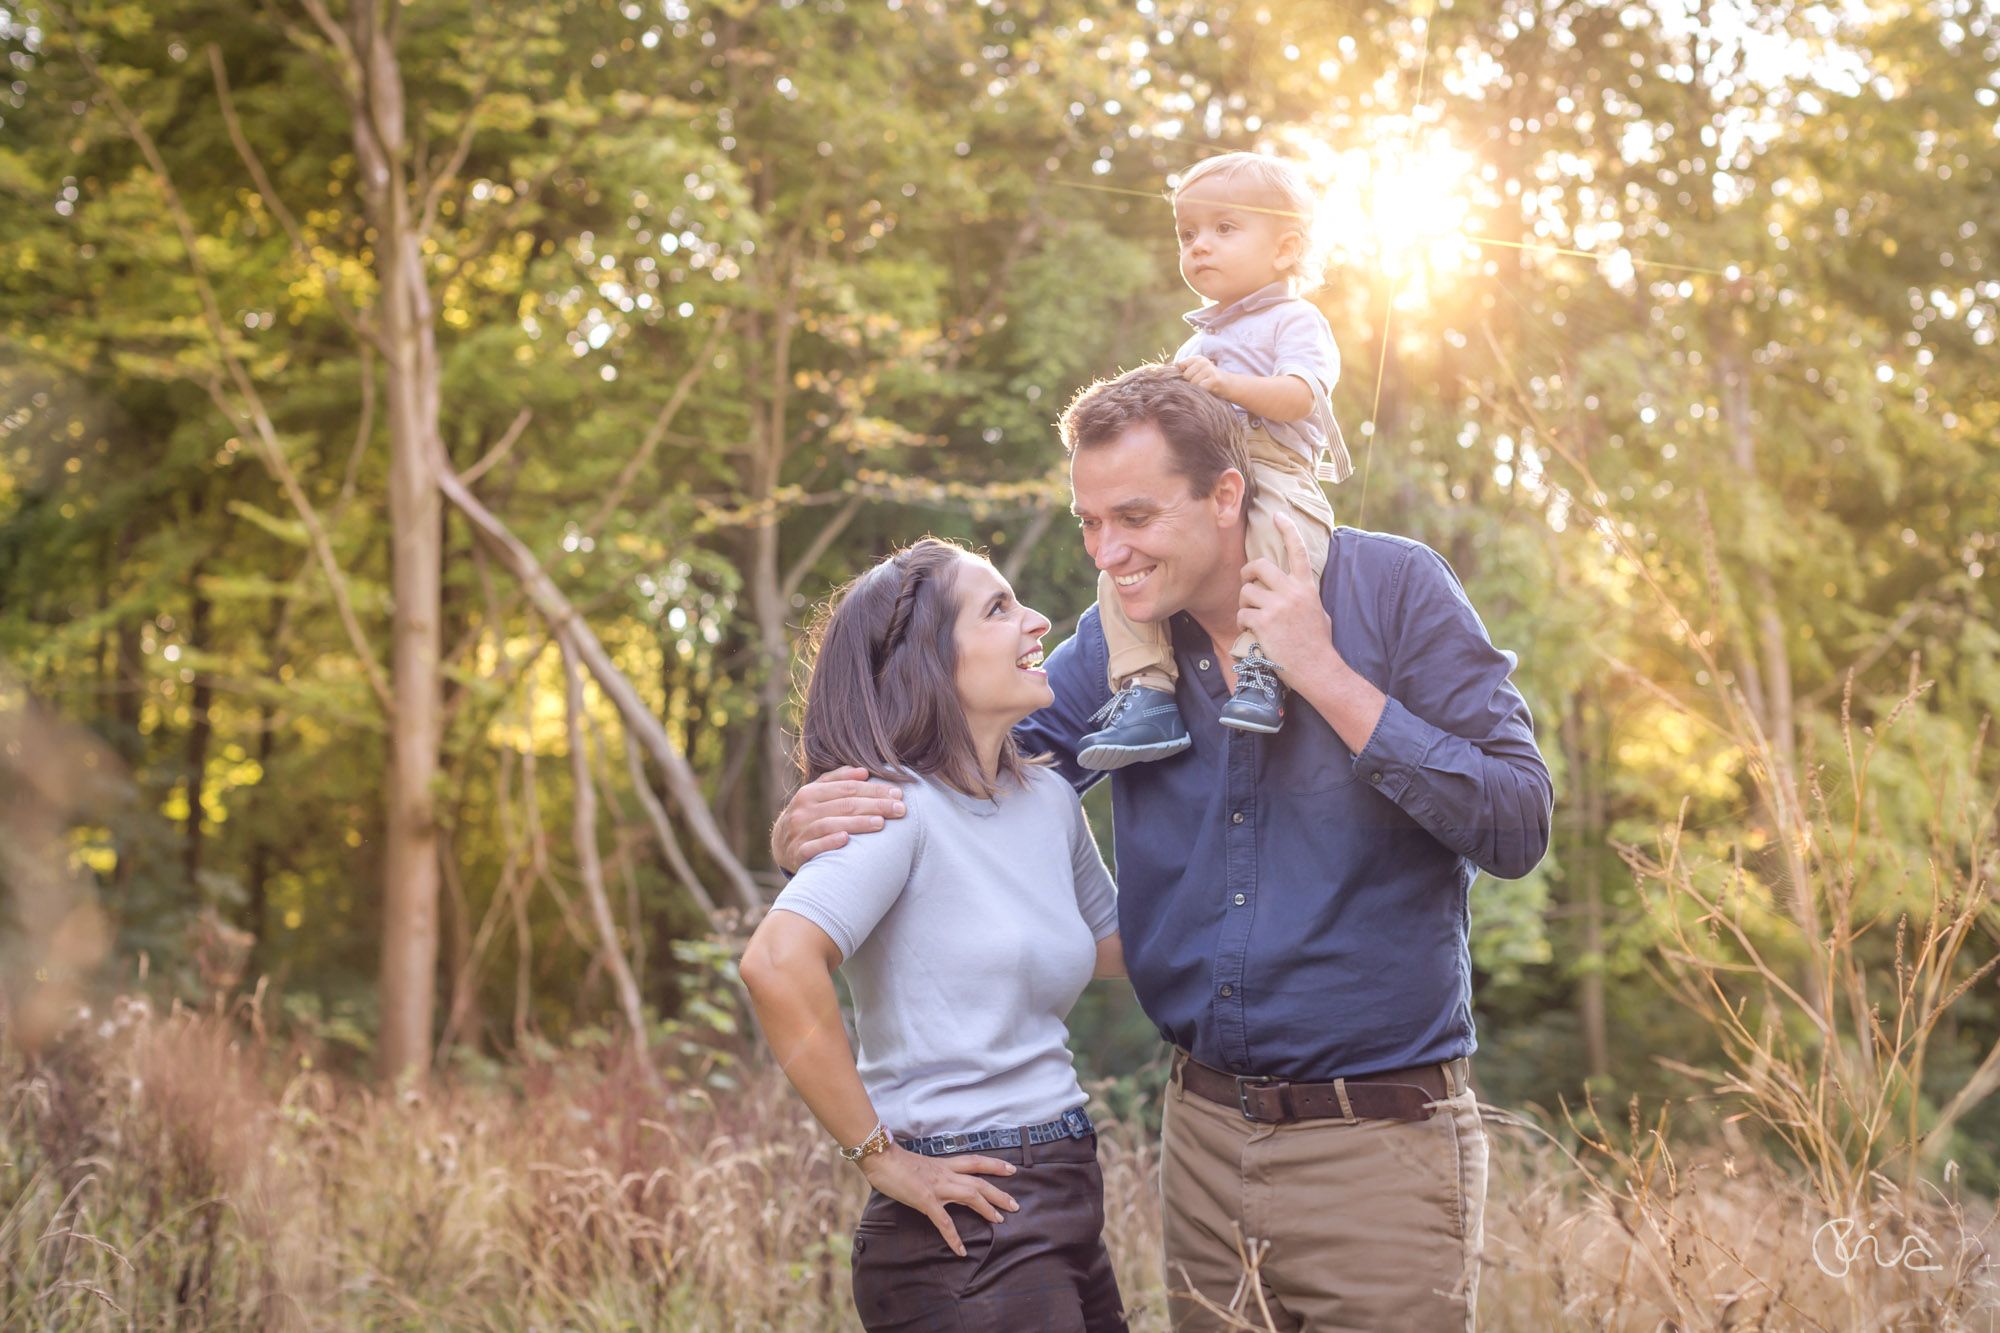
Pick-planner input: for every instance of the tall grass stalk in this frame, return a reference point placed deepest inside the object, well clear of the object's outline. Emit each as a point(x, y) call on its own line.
point(178, 1171)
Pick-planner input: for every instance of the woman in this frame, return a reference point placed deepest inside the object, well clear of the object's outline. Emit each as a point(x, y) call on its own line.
point(965, 931)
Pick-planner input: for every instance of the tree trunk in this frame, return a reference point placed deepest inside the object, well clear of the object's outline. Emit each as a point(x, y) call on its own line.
point(405, 324)
point(1772, 682)
point(1586, 864)
point(200, 729)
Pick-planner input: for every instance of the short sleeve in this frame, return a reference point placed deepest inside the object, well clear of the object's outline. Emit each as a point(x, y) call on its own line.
point(1096, 896)
point(847, 891)
point(1306, 347)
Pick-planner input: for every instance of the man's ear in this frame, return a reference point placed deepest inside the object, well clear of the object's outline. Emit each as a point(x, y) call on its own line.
point(1228, 498)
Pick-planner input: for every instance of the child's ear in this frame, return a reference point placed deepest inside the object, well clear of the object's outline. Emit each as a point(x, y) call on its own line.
point(1290, 247)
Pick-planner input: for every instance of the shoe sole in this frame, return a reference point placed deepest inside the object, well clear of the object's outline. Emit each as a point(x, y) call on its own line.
point(1252, 726)
point(1108, 758)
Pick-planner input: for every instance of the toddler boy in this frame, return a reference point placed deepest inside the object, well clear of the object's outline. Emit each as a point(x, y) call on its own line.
point(1245, 228)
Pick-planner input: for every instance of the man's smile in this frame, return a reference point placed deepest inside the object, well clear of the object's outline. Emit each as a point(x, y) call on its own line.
point(1133, 580)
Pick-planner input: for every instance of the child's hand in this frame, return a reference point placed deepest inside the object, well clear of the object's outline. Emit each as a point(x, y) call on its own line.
point(1201, 372)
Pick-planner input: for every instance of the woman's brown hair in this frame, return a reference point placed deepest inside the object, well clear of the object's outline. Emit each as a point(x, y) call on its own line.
point(883, 693)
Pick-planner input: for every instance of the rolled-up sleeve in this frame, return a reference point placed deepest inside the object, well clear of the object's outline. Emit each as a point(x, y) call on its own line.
point(1305, 347)
point(1455, 745)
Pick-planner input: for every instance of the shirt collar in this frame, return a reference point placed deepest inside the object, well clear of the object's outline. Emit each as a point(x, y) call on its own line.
point(1212, 317)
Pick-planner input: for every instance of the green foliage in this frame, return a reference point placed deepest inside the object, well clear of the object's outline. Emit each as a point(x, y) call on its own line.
point(1678, 347)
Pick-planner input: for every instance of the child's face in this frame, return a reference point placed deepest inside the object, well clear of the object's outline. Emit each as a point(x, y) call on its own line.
point(1231, 242)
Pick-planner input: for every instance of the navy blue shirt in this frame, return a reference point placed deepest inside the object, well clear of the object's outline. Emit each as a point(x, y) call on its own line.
point(1289, 907)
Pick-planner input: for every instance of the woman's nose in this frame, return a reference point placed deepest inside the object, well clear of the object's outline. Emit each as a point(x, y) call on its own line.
point(1037, 624)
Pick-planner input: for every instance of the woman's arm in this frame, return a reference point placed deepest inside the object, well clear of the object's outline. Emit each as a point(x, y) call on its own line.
point(1110, 957)
point(788, 970)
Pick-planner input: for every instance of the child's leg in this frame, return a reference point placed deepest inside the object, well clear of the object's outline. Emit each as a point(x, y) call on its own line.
point(1285, 485)
point(1140, 654)
point(1142, 722)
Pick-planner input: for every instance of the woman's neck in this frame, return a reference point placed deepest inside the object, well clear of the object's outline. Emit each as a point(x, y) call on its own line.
point(989, 740)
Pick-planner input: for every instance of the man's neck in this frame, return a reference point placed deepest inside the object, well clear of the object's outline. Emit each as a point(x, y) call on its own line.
point(1215, 605)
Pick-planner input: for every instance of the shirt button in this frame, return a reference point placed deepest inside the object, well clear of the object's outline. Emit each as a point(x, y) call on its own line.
point(1375, 778)
point(1204, 664)
point(1240, 900)
point(1225, 992)
point(1236, 818)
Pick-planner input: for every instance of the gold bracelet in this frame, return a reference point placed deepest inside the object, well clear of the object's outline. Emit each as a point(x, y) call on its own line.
point(879, 1141)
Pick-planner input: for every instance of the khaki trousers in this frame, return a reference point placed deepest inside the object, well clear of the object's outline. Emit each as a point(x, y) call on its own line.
point(1374, 1226)
point(1285, 485)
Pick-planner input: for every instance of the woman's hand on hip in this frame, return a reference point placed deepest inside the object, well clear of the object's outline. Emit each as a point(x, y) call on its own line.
point(927, 1184)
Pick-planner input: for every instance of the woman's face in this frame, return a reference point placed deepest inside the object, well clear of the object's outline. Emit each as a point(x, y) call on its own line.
point(1000, 676)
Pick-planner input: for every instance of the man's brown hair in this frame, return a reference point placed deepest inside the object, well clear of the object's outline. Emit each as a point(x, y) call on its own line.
point(1205, 435)
point(883, 693)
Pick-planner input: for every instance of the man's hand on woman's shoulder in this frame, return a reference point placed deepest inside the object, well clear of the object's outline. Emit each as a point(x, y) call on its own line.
point(823, 813)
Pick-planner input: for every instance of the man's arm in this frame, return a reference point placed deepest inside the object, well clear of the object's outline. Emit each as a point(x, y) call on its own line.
point(823, 814)
point(827, 811)
point(1452, 742)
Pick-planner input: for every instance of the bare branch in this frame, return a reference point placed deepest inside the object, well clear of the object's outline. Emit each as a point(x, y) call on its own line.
point(253, 410)
point(500, 448)
point(829, 533)
point(1915, 611)
point(1017, 559)
point(577, 636)
point(663, 830)
point(442, 178)
point(583, 832)
point(682, 387)
point(354, 319)
point(1024, 236)
point(471, 254)
point(333, 32)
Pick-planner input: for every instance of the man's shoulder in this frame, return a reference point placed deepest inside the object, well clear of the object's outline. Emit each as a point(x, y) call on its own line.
point(1088, 637)
point(1382, 566)
point(1381, 549)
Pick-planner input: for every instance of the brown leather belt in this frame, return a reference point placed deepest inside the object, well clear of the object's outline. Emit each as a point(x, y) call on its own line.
point(1400, 1094)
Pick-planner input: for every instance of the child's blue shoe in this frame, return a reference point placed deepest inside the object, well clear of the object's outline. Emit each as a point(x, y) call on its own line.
point(1259, 702)
point(1140, 724)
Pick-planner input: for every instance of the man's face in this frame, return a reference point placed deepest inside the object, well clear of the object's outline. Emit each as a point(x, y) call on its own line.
point(1165, 550)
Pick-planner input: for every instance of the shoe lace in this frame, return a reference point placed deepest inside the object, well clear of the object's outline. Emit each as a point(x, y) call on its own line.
point(1258, 672)
point(1115, 703)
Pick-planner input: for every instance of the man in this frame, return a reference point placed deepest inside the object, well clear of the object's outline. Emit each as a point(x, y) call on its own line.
point(1293, 906)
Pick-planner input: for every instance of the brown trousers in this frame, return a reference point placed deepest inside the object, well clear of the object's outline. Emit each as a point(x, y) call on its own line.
point(1285, 485)
point(1044, 1268)
point(1374, 1226)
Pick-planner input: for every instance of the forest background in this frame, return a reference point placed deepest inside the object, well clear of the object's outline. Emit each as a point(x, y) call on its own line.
point(426, 429)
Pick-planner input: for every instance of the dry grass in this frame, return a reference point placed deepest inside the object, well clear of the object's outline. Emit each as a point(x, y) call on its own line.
point(175, 1172)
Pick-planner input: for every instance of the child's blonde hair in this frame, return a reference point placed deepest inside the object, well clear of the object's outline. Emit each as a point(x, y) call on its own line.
point(1281, 191)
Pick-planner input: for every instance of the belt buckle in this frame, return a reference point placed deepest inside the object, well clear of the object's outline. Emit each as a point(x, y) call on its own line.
point(952, 1143)
point(1245, 1082)
point(1075, 1123)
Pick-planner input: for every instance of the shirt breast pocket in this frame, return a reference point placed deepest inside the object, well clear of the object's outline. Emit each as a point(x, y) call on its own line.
point(1308, 756)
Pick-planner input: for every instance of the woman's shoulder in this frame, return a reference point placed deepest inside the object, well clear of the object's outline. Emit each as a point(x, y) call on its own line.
point(1047, 787)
